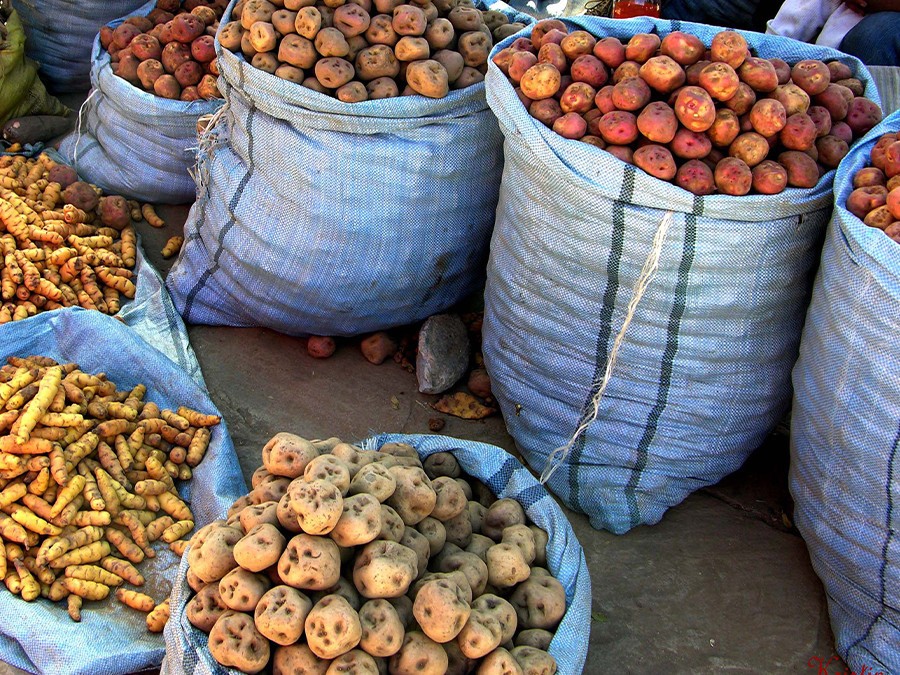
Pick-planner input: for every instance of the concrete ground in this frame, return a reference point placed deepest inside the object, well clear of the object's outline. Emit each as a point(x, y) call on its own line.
point(723, 583)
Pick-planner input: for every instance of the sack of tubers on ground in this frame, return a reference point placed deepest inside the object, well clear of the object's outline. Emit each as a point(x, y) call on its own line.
point(325, 217)
point(60, 34)
point(63, 243)
point(405, 554)
point(131, 141)
point(654, 339)
point(21, 90)
point(103, 469)
point(844, 441)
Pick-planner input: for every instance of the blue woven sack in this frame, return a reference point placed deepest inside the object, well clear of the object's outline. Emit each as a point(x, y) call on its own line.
point(316, 216)
point(702, 373)
point(39, 636)
point(60, 34)
point(186, 646)
point(132, 142)
point(845, 430)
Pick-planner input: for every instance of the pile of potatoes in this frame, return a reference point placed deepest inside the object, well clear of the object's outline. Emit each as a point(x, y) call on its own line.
point(709, 119)
point(346, 560)
point(171, 51)
point(368, 49)
point(876, 188)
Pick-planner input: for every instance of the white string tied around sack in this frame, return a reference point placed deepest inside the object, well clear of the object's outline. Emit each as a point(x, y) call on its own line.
point(78, 127)
point(206, 142)
point(648, 271)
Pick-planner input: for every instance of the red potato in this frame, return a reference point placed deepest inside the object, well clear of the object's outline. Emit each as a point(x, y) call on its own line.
point(124, 34)
point(625, 70)
point(655, 160)
point(694, 176)
point(320, 346)
point(208, 88)
point(334, 72)
point(518, 65)
point(553, 37)
point(546, 111)
point(835, 99)
point(502, 59)
point(657, 122)
point(683, 48)
point(351, 20)
point(792, 97)
point(545, 26)
point(749, 147)
point(799, 132)
point(577, 98)
point(588, 68)
point(862, 115)
point(733, 176)
point(743, 100)
point(564, 82)
point(146, 47)
point(728, 47)
point(720, 80)
point(843, 131)
point(692, 73)
point(687, 144)
point(641, 47)
point(879, 217)
point(759, 74)
point(878, 150)
point(167, 86)
point(148, 72)
point(603, 99)
point(174, 54)
point(190, 94)
point(769, 177)
point(695, 109)
point(854, 84)
point(596, 141)
point(592, 118)
point(106, 37)
point(189, 74)
point(869, 176)
point(523, 44)
point(821, 118)
point(631, 94)
point(540, 81)
point(553, 54)
point(768, 117)
point(893, 231)
point(571, 125)
point(811, 75)
point(127, 68)
point(618, 127)
point(802, 170)
point(839, 71)
point(892, 160)
point(610, 51)
point(187, 27)
point(893, 203)
point(662, 73)
point(203, 49)
point(578, 43)
point(159, 16)
point(623, 152)
point(831, 151)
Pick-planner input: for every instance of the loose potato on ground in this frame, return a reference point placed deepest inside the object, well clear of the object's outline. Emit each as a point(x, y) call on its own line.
point(419, 655)
point(281, 613)
point(382, 629)
point(234, 641)
point(332, 627)
point(310, 563)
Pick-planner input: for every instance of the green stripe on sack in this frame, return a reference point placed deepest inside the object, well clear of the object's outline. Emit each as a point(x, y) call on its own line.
point(665, 377)
point(609, 305)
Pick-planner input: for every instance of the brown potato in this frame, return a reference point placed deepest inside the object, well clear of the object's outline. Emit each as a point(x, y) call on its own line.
point(208, 88)
point(297, 51)
point(281, 613)
point(260, 548)
point(694, 176)
point(355, 661)
point(539, 602)
point(382, 629)
point(419, 655)
point(257, 10)
point(692, 73)
point(211, 554)
point(474, 47)
point(768, 117)
point(231, 35)
point(241, 589)
point(375, 62)
point(351, 20)
point(382, 87)
point(317, 504)
point(298, 657)
point(234, 641)
point(409, 20)
point(332, 627)
point(428, 78)
point(384, 569)
point(205, 608)
point(441, 609)
point(308, 22)
point(149, 72)
point(440, 34)
point(310, 563)
point(749, 147)
point(879, 217)
point(360, 521)
point(792, 97)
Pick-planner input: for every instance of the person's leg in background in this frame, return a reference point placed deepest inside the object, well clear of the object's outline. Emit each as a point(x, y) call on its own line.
point(875, 40)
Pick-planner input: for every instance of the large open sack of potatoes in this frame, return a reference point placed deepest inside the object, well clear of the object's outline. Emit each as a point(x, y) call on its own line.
point(317, 215)
point(640, 334)
point(403, 554)
point(60, 35)
point(135, 138)
point(62, 609)
point(845, 443)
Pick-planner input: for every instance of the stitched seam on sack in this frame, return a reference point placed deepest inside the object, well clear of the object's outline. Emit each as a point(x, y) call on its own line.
point(232, 221)
point(606, 315)
point(887, 542)
point(665, 380)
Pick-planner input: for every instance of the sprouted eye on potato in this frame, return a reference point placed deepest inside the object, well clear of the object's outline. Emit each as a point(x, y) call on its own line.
point(373, 560)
